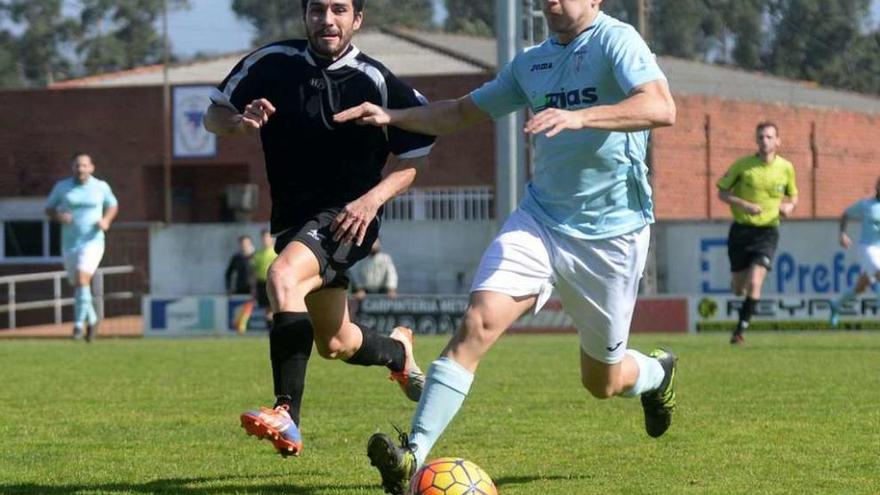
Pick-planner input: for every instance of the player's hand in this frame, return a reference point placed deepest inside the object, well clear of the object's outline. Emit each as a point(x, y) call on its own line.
point(364, 114)
point(256, 114)
point(103, 224)
point(65, 217)
point(360, 294)
point(785, 209)
point(352, 222)
point(752, 209)
point(555, 120)
point(845, 241)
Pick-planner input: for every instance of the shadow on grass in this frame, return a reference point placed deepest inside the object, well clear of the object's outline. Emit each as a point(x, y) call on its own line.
point(186, 486)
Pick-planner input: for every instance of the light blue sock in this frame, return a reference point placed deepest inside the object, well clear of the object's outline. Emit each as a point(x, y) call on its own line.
point(93, 315)
point(82, 301)
point(650, 374)
point(446, 386)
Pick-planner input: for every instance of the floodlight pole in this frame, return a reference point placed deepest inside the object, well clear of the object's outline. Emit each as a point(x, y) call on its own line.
point(166, 117)
point(509, 142)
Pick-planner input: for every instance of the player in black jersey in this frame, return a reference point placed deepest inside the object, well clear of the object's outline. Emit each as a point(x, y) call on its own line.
point(327, 192)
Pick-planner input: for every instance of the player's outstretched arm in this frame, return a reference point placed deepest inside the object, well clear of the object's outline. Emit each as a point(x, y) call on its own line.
point(435, 119)
point(224, 121)
point(647, 106)
point(350, 225)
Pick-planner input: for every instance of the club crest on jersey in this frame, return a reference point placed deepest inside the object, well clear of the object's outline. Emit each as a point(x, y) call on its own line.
point(318, 84)
point(568, 99)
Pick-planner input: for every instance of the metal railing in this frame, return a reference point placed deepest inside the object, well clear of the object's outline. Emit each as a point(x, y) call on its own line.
point(454, 204)
point(57, 302)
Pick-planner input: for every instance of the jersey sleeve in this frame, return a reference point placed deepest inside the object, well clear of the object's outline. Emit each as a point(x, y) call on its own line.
point(728, 180)
point(244, 84)
point(855, 211)
point(109, 198)
point(791, 189)
point(405, 144)
point(54, 199)
point(632, 61)
point(501, 95)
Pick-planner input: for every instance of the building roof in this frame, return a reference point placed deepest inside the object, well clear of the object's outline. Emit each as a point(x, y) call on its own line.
point(421, 53)
point(687, 77)
point(401, 56)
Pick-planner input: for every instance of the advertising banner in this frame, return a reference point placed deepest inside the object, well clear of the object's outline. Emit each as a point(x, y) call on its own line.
point(808, 260)
point(184, 316)
point(798, 312)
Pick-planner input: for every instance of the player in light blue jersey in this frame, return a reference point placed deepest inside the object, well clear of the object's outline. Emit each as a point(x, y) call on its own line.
point(583, 226)
point(867, 211)
point(85, 206)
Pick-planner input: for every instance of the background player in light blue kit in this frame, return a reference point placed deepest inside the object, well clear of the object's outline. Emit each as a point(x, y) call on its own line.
point(866, 211)
point(85, 206)
point(583, 226)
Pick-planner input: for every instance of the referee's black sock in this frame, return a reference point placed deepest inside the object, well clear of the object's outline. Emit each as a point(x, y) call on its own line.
point(290, 346)
point(745, 314)
point(377, 350)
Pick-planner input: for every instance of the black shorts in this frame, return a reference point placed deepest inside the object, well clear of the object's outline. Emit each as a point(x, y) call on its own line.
point(748, 245)
point(334, 258)
point(262, 294)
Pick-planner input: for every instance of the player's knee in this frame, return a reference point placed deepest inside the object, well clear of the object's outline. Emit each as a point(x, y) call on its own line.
point(476, 329)
point(282, 280)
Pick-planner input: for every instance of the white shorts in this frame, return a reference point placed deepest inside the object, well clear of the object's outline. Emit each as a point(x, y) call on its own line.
point(84, 259)
point(597, 280)
point(870, 254)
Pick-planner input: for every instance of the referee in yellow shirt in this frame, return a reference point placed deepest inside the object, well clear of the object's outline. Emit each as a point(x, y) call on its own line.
point(260, 262)
point(760, 189)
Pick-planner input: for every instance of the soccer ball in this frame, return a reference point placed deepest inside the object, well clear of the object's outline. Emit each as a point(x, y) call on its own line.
point(451, 476)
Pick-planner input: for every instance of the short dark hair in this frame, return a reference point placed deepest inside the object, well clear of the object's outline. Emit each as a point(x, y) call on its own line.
point(77, 154)
point(358, 5)
point(241, 238)
point(763, 125)
point(264, 232)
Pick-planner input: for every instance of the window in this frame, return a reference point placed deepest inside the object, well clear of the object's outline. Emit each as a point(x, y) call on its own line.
point(467, 204)
point(30, 240)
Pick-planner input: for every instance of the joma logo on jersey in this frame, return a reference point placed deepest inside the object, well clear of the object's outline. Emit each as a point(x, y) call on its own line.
point(541, 66)
point(567, 99)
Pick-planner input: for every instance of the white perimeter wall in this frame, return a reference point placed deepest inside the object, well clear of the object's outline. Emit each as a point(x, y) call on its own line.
point(431, 257)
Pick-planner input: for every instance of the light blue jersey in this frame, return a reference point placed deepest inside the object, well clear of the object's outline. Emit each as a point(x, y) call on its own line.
point(588, 184)
point(86, 202)
point(868, 212)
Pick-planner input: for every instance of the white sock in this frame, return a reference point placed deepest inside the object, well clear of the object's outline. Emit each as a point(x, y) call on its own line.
point(651, 374)
point(446, 386)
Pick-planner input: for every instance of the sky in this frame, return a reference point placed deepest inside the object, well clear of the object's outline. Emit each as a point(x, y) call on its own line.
point(211, 27)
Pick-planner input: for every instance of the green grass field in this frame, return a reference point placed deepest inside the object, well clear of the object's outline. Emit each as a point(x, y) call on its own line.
point(793, 413)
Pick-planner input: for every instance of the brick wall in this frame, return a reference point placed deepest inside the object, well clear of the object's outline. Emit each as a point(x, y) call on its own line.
point(121, 128)
point(711, 134)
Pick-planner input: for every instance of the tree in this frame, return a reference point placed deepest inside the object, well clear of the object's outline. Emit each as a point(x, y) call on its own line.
point(39, 47)
point(274, 20)
point(121, 34)
point(470, 17)
point(10, 71)
point(818, 39)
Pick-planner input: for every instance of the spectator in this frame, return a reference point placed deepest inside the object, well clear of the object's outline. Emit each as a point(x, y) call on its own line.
point(375, 274)
point(239, 275)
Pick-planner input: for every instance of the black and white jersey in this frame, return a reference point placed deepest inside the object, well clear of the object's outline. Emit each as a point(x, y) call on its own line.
point(312, 163)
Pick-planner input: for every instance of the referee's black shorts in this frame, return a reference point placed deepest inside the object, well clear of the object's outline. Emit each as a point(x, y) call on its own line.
point(334, 258)
point(749, 245)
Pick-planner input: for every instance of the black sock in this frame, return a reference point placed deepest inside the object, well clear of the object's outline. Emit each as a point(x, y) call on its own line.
point(290, 345)
point(745, 314)
point(379, 350)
